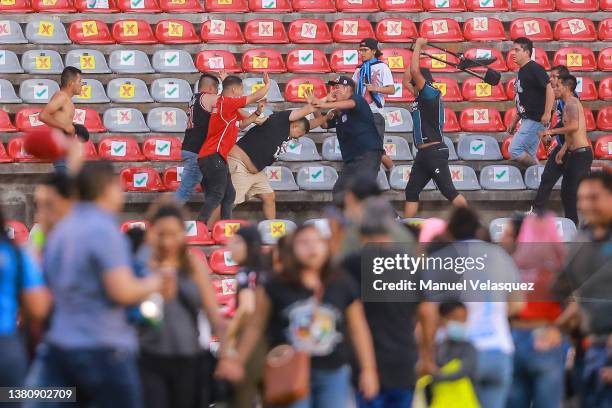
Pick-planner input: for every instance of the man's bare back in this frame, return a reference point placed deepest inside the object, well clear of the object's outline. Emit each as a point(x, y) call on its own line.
point(574, 111)
point(59, 112)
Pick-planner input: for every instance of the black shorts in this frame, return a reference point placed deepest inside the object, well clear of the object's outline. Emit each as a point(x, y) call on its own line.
point(431, 163)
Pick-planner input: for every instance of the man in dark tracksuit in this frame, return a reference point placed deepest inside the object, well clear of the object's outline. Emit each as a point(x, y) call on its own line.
point(431, 161)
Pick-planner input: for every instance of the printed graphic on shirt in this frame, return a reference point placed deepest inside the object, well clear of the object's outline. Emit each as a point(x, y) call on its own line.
point(518, 89)
point(316, 334)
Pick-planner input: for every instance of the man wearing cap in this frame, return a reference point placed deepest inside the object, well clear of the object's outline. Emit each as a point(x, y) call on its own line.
point(373, 80)
point(431, 161)
point(360, 143)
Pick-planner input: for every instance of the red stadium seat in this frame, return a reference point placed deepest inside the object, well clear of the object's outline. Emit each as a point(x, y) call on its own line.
point(402, 94)
point(509, 116)
point(474, 89)
point(4, 157)
point(505, 149)
point(5, 122)
point(576, 58)
point(141, 179)
point(483, 29)
point(90, 32)
point(441, 30)
point(224, 229)
point(575, 29)
point(17, 152)
point(604, 60)
point(540, 57)
point(295, 88)
point(482, 52)
point(605, 90)
point(133, 32)
point(451, 124)
point(131, 224)
point(88, 6)
point(603, 147)
point(270, 6)
point(225, 290)
point(221, 262)
point(15, 6)
point(589, 119)
point(449, 88)
point(605, 30)
point(119, 148)
point(172, 178)
point(434, 65)
point(53, 6)
point(17, 231)
point(89, 118)
point(389, 30)
point(402, 6)
point(586, 89)
point(176, 32)
point(604, 118)
point(263, 60)
point(580, 6)
point(221, 31)
point(351, 30)
point(27, 119)
point(226, 6)
point(314, 6)
point(541, 154)
point(307, 60)
point(197, 233)
point(181, 6)
point(481, 119)
point(217, 60)
point(444, 6)
point(309, 31)
point(89, 150)
point(265, 31)
point(397, 58)
point(344, 60)
point(138, 6)
point(605, 5)
point(534, 28)
point(357, 6)
point(533, 5)
point(487, 5)
point(510, 88)
point(162, 148)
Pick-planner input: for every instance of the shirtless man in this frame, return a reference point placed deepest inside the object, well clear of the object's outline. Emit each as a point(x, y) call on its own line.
point(576, 145)
point(59, 112)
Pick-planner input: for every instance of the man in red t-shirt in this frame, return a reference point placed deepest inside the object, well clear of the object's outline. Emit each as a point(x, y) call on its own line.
point(225, 121)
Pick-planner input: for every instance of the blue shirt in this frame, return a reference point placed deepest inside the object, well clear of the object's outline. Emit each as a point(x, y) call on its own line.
point(427, 116)
point(30, 278)
point(81, 249)
point(356, 131)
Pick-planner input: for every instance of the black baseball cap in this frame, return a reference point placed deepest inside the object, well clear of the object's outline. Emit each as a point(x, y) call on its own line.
point(370, 43)
point(342, 80)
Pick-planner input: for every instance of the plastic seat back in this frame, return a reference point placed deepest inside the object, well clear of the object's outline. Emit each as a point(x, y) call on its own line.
point(251, 85)
point(604, 118)
point(441, 30)
point(501, 177)
point(90, 32)
point(314, 6)
point(95, 6)
point(11, 33)
point(171, 90)
point(475, 89)
point(4, 156)
point(604, 59)
point(173, 61)
point(16, 150)
point(90, 119)
point(449, 88)
point(497, 227)
point(176, 32)
point(450, 6)
point(5, 123)
point(605, 29)
point(464, 177)
point(533, 176)
point(307, 61)
point(133, 32)
point(351, 30)
point(265, 31)
point(46, 31)
point(46, 62)
point(119, 148)
point(222, 230)
point(124, 120)
point(297, 87)
point(92, 91)
point(485, 52)
point(128, 90)
point(397, 58)
point(15, 6)
point(390, 30)
point(181, 6)
point(280, 178)
point(484, 29)
point(17, 231)
point(172, 178)
point(313, 177)
point(408, 6)
point(27, 119)
point(162, 148)
point(576, 58)
point(359, 6)
point(225, 6)
point(171, 120)
point(138, 6)
point(221, 31)
point(130, 62)
point(141, 179)
point(535, 28)
point(217, 60)
point(397, 148)
point(37, 90)
point(439, 64)
point(478, 147)
point(397, 119)
point(302, 149)
point(309, 31)
point(451, 123)
point(586, 88)
point(605, 89)
point(331, 149)
point(197, 233)
point(578, 6)
point(88, 61)
point(7, 92)
point(270, 6)
point(381, 180)
point(481, 119)
point(9, 63)
point(575, 29)
point(487, 5)
point(263, 60)
point(272, 230)
point(533, 5)
point(344, 60)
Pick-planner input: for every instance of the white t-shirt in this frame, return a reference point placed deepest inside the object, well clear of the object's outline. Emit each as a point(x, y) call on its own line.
point(381, 76)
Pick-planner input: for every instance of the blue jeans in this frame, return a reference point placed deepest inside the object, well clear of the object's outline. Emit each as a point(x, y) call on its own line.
point(538, 375)
point(526, 139)
point(596, 394)
point(191, 176)
point(493, 378)
point(60, 166)
point(389, 398)
point(328, 389)
point(104, 378)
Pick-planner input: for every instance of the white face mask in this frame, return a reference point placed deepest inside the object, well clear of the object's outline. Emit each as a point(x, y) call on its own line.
point(456, 331)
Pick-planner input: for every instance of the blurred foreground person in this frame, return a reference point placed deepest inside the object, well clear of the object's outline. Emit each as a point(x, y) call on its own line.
point(315, 309)
point(90, 343)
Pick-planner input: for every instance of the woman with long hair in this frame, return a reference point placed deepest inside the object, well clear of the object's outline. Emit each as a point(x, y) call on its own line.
point(170, 351)
point(313, 307)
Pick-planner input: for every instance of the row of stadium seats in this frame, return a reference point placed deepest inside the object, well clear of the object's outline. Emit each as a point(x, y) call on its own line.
point(287, 6)
point(174, 120)
point(272, 31)
point(134, 90)
point(163, 148)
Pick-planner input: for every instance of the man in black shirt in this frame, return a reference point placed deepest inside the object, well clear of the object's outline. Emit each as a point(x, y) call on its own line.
point(360, 144)
point(198, 114)
point(259, 148)
point(431, 161)
point(534, 98)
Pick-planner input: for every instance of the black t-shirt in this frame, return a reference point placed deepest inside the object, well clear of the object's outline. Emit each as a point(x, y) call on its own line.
point(324, 336)
point(392, 327)
point(530, 91)
point(264, 143)
point(356, 131)
point(428, 115)
point(197, 124)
